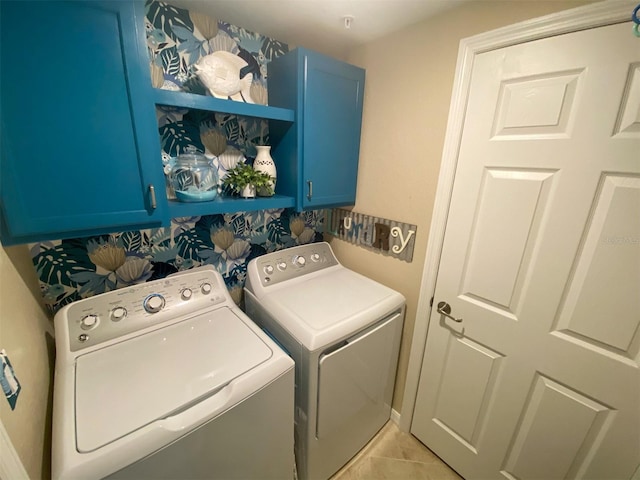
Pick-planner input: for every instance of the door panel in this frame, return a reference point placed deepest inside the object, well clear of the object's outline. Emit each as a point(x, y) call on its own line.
point(541, 106)
point(462, 402)
point(504, 234)
point(540, 434)
point(609, 255)
point(628, 124)
point(541, 260)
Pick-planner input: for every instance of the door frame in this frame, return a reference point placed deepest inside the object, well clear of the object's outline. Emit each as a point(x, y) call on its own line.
point(595, 15)
point(10, 464)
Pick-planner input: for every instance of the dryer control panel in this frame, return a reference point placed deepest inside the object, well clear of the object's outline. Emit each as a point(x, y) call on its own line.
point(92, 321)
point(283, 265)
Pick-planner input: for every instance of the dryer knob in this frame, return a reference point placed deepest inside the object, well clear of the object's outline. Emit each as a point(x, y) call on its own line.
point(299, 260)
point(153, 303)
point(186, 294)
point(206, 288)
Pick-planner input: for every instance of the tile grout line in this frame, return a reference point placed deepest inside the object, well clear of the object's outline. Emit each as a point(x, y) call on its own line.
point(434, 462)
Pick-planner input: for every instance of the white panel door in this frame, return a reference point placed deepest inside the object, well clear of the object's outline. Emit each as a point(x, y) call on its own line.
point(541, 261)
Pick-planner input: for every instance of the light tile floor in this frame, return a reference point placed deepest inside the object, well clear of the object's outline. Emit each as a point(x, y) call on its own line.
point(395, 455)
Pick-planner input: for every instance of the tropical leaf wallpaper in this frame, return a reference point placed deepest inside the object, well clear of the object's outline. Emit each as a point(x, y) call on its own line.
point(78, 268)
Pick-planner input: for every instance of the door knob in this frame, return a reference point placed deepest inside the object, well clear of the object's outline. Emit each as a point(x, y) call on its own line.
point(445, 309)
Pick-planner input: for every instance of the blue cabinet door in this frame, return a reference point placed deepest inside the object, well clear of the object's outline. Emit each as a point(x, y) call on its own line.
point(332, 118)
point(79, 143)
point(317, 159)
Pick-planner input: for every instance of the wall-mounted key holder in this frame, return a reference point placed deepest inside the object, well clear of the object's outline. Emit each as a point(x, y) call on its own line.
point(389, 237)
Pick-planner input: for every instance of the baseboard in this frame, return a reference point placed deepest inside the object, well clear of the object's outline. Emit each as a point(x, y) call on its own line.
point(10, 465)
point(395, 416)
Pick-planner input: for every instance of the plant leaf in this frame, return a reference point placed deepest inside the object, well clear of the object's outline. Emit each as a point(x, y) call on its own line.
point(131, 241)
point(170, 60)
point(239, 225)
point(166, 17)
point(273, 48)
point(176, 136)
point(277, 230)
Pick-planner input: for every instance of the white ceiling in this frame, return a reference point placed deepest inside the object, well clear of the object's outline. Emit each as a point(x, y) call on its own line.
point(320, 24)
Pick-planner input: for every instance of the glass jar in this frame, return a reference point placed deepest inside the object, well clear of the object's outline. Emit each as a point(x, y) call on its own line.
point(194, 177)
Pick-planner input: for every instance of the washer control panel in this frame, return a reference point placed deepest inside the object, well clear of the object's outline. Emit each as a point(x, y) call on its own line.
point(110, 315)
point(290, 263)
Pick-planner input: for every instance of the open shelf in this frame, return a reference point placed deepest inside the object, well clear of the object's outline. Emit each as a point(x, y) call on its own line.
point(212, 104)
point(202, 102)
point(228, 205)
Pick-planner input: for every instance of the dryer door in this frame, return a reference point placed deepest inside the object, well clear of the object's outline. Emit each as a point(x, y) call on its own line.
point(355, 382)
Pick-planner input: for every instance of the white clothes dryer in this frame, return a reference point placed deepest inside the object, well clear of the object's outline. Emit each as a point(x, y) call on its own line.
point(169, 379)
point(343, 331)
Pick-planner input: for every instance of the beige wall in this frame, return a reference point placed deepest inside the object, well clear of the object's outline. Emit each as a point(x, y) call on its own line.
point(25, 335)
point(407, 94)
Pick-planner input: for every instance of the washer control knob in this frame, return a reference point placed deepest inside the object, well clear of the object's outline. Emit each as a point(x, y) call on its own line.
point(118, 314)
point(282, 266)
point(153, 303)
point(89, 321)
point(269, 269)
point(315, 257)
point(299, 260)
point(206, 288)
point(186, 294)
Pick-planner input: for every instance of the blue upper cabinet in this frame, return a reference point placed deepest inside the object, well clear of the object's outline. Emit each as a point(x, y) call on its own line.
point(320, 151)
point(79, 142)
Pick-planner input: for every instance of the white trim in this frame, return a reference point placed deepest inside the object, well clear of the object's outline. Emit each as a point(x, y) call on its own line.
point(590, 16)
point(11, 467)
point(395, 416)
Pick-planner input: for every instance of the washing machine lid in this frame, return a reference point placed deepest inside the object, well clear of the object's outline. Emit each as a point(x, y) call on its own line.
point(323, 307)
point(128, 385)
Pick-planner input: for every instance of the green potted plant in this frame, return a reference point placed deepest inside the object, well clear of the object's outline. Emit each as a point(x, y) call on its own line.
point(243, 179)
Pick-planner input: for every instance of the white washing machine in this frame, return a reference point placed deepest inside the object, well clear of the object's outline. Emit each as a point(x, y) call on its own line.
point(169, 379)
point(343, 331)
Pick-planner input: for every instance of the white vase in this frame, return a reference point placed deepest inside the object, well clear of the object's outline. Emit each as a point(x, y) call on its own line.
point(264, 163)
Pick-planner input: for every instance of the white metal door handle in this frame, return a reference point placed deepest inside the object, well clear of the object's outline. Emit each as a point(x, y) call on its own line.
point(445, 309)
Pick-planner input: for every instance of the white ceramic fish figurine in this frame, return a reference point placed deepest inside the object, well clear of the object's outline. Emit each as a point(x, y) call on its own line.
point(220, 73)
